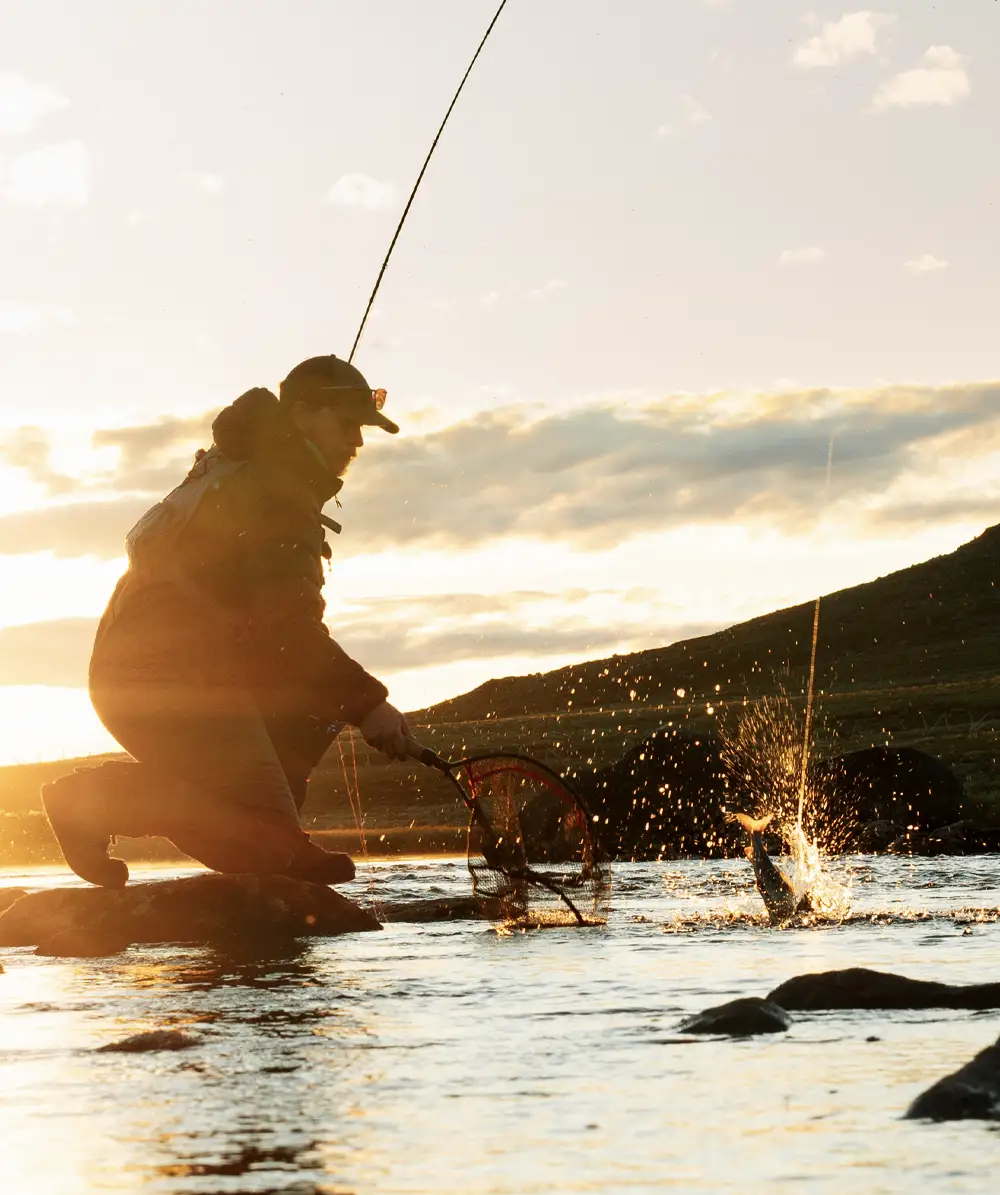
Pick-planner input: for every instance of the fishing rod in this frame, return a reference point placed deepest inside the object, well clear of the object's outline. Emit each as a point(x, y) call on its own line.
point(416, 185)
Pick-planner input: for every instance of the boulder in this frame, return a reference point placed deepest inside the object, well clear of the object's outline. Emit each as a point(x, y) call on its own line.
point(9, 895)
point(857, 987)
point(665, 798)
point(739, 1018)
point(890, 784)
point(202, 908)
point(872, 838)
point(970, 1093)
point(668, 798)
point(946, 840)
point(154, 1039)
point(84, 942)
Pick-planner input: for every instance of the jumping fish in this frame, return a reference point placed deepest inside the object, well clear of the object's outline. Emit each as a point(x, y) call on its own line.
point(776, 892)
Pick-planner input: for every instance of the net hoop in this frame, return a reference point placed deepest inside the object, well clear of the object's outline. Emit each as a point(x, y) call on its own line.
point(536, 820)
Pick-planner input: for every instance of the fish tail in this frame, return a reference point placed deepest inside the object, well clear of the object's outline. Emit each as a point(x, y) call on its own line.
point(753, 825)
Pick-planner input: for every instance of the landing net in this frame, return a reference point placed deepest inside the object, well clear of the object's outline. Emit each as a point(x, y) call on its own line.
point(533, 855)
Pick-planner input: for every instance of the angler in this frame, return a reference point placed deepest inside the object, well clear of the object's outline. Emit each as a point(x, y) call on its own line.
point(777, 893)
point(212, 665)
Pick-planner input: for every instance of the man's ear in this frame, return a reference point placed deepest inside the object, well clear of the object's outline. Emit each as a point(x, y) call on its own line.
point(300, 414)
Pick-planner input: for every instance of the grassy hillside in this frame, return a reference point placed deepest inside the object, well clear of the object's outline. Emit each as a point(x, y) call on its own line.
point(910, 659)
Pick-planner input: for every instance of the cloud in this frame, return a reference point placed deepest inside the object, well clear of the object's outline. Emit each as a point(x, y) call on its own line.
point(807, 255)
point(605, 471)
point(142, 215)
point(155, 456)
point(18, 317)
point(27, 448)
point(608, 472)
point(361, 191)
point(71, 529)
point(384, 634)
point(56, 652)
point(693, 112)
point(690, 113)
point(55, 175)
point(926, 263)
point(540, 293)
point(23, 103)
point(854, 34)
point(941, 80)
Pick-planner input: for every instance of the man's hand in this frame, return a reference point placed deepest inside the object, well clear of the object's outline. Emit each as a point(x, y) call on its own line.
point(385, 729)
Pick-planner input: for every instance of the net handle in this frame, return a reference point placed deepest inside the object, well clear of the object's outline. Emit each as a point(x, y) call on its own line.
point(426, 756)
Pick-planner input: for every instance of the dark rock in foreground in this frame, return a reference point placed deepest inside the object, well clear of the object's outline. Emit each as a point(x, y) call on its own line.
point(970, 1093)
point(857, 987)
point(739, 1018)
point(9, 895)
point(84, 942)
point(156, 1039)
point(203, 908)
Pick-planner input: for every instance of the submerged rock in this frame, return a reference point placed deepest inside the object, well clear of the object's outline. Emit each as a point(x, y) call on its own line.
point(739, 1018)
point(946, 840)
point(970, 1093)
point(155, 1039)
point(438, 908)
point(203, 908)
point(857, 987)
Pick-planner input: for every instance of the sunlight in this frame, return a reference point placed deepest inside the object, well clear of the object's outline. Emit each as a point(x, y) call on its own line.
point(44, 722)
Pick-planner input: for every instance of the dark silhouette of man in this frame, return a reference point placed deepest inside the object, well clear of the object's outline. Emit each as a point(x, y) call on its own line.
point(212, 665)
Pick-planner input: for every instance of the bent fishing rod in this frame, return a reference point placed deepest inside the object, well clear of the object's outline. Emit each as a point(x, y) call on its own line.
point(420, 176)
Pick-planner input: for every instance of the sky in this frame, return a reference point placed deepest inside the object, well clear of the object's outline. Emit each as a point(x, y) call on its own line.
point(666, 260)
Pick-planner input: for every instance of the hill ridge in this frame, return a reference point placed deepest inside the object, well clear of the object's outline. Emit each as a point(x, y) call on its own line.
point(936, 621)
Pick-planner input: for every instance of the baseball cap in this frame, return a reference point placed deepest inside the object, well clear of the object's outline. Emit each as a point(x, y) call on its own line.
point(329, 381)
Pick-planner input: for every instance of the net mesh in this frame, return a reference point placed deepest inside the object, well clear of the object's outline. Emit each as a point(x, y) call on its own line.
point(533, 855)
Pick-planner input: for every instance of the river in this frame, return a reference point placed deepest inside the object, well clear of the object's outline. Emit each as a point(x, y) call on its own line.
point(453, 1058)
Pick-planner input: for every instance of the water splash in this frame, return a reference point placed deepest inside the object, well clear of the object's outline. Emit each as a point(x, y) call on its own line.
point(766, 755)
point(810, 874)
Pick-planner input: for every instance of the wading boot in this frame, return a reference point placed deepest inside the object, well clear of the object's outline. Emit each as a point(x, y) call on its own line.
point(318, 866)
point(77, 812)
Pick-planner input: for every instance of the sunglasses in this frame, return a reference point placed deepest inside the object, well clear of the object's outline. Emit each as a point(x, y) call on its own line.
point(377, 396)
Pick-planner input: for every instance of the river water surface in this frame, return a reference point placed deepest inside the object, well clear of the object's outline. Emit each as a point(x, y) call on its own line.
point(452, 1058)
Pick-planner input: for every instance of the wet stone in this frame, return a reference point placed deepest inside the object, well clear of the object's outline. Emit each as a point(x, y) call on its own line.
point(208, 908)
point(858, 987)
point(155, 1039)
point(9, 895)
point(439, 908)
point(83, 943)
point(970, 1093)
point(739, 1018)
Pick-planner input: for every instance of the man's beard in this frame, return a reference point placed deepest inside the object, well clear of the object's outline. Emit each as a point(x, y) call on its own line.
point(347, 464)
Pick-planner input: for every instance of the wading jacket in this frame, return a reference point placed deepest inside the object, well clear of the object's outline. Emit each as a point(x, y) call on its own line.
point(225, 579)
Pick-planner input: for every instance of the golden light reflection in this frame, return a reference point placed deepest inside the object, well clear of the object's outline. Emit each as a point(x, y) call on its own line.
point(45, 1029)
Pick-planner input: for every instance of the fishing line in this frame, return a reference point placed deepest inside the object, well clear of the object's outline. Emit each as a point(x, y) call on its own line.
point(812, 661)
point(355, 798)
point(416, 185)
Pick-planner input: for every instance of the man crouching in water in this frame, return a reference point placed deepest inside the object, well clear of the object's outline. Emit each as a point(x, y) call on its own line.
point(212, 666)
